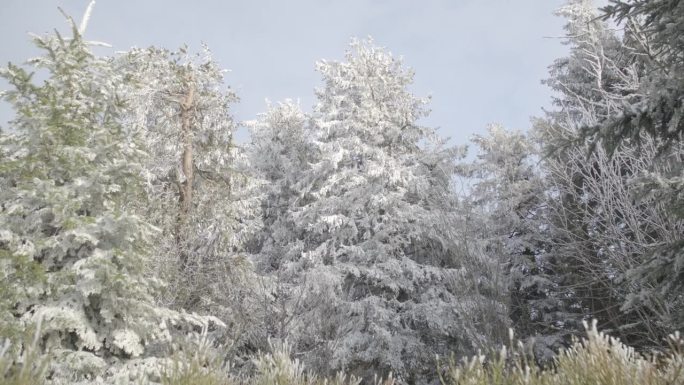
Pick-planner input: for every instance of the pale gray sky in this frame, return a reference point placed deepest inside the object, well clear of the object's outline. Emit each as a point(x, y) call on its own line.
point(480, 60)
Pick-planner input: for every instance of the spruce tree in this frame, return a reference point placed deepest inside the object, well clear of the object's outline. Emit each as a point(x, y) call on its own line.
point(72, 250)
point(383, 284)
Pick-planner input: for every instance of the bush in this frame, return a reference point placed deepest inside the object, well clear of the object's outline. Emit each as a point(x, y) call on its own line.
point(202, 367)
point(597, 360)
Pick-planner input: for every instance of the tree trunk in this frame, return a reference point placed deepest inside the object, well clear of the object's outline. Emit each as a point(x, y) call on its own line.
point(187, 108)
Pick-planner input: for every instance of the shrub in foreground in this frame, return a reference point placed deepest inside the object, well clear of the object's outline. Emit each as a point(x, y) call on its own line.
point(597, 360)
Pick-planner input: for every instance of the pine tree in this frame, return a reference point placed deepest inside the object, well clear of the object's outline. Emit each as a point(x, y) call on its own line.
point(281, 152)
point(653, 33)
point(200, 192)
point(652, 112)
point(384, 285)
point(71, 249)
point(510, 196)
point(603, 235)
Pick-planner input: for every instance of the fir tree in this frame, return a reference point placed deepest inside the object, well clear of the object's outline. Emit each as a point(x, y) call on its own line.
point(199, 190)
point(71, 248)
point(383, 284)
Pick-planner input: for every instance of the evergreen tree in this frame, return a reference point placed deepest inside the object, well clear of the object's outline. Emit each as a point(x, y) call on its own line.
point(509, 195)
point(384, 283)
point(654, 33)
point(200, 192)
point(281, 152)
point(603, 235)
point(72, 251)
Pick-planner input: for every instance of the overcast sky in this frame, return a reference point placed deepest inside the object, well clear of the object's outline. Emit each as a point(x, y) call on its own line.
point(481, 60)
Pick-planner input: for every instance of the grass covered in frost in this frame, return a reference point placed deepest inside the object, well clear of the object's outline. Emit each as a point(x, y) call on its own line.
point(597, 360)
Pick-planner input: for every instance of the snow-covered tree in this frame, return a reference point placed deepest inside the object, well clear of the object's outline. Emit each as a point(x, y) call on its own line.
point(653, 37)
point(508, 198)
point(383, 284)
point(653, 40)
point(199, 190)
point(606, 235)
point(281, 152)
point(72, 252)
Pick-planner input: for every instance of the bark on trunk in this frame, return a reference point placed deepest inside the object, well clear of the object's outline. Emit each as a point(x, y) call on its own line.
point(187, 109)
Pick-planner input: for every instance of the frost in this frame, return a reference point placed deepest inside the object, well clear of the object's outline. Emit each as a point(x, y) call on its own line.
point(72, 252)
point(128, 341)
point(355, 188)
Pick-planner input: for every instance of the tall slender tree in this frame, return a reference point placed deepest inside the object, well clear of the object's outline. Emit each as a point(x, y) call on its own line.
point(281, 152)
point(199, 190)
point(508, 197)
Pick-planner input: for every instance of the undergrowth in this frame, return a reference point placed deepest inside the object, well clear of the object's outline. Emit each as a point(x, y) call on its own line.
point(596, 360)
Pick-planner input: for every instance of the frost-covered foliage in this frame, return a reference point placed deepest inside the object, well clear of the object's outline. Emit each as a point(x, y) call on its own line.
point(654, 33)
point(199, 191)
point(601, 236)
point(595, 230)
point(379, 283)
point(599, 359)
point(654, 43)
point(336, 240)
point(508, 202)
point(616, 247)
point(281, 151)
point(23, 367)
point(589, 81)
point(72, 253)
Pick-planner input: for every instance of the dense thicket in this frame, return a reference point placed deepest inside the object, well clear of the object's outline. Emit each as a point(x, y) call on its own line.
point(614, 198)
point(139, 242)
